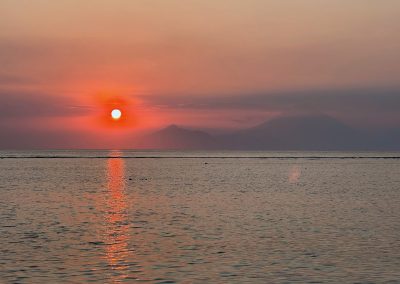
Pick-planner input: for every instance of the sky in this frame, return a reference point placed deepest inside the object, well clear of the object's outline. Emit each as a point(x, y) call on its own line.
point(220, 64)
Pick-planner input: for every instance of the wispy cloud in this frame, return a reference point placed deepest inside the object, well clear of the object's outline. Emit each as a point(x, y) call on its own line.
point(313, 100)
point(28, 105)
point(376, 105)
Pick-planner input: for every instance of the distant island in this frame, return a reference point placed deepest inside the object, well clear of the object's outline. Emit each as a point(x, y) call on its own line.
point(319, 133)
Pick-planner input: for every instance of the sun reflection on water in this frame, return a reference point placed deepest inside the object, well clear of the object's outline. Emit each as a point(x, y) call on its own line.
point(117, 228)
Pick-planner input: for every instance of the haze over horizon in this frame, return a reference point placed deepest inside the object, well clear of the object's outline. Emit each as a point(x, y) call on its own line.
point(222, 66)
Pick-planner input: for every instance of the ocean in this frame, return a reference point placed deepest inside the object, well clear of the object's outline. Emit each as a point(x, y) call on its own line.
point(199, 217)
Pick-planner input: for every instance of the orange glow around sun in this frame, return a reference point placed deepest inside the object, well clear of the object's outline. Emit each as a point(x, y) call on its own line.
point(116, 111)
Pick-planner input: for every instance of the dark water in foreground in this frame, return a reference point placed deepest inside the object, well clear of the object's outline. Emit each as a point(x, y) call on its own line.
point(172, 217)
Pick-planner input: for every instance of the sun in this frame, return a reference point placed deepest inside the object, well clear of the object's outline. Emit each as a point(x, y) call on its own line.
point(116, 114)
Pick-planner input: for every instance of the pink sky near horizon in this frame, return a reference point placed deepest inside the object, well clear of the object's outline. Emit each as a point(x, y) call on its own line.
point(76, 56)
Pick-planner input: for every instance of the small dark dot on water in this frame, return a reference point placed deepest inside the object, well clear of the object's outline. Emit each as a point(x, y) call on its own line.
point(206, 163)
point(130, 178)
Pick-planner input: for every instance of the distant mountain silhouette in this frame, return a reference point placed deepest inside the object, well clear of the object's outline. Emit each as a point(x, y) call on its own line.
point(386, 139)
point(298, 133)
point(284, 133)
point(174, 137)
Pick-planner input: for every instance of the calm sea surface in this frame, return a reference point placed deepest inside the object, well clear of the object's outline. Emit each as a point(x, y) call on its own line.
point(199, 217)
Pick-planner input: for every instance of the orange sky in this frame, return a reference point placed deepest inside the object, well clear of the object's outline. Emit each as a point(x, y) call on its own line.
point(158, 56)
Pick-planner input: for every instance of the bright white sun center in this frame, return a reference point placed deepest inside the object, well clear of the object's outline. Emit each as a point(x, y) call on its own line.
point(116, 114)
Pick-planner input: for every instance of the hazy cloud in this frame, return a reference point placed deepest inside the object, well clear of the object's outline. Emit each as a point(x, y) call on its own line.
point(387, 100)
point(25, 105)
point(365, 107)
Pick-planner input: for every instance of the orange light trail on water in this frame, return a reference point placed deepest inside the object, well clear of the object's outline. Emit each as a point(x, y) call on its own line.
point(117, 229)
